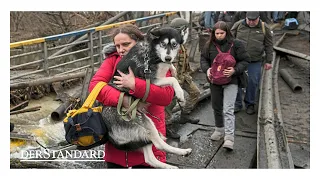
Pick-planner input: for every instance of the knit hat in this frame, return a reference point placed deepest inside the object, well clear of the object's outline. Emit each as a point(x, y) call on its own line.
point(253, 15)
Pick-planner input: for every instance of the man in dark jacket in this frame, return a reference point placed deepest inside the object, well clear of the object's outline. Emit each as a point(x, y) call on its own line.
point(258, 38)
point(242, 15)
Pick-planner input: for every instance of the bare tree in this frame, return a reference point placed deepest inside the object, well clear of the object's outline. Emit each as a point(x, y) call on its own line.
point(15, 18)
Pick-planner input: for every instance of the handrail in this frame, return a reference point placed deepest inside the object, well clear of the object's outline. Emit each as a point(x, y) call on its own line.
point(85, 31)
point(44, 58)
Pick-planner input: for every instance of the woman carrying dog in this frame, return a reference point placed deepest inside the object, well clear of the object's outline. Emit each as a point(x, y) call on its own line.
point(124, 38)
point(223, 90)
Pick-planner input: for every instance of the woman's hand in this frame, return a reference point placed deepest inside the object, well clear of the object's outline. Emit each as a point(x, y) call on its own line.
point(126, 80)
point(228, 72)
point(267, 66)
point(208, 73)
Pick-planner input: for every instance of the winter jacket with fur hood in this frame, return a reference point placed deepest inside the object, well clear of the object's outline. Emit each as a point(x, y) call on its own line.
point(159, 97)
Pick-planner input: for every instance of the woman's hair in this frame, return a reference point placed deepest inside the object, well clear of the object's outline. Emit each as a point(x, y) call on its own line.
point(131, 30)
point(219, 25)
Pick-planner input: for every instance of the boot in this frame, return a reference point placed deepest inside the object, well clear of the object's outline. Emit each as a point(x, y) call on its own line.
point(217, 134)
point(172, 134)
point(228, 142)
point(250, 110)
point(185, 118)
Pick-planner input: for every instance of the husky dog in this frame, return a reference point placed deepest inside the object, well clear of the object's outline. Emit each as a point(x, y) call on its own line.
point(156, 54)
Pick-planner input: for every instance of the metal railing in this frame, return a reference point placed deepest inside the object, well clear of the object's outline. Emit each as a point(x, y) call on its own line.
point(43, 57)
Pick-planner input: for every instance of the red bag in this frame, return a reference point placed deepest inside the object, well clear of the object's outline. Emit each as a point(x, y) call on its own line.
point(221, 62)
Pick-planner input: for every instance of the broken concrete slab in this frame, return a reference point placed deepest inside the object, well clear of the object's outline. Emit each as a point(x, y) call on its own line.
point(245, 122)
point(206, 118)
point(240, 158)
point(300, 155)
point(203, 150)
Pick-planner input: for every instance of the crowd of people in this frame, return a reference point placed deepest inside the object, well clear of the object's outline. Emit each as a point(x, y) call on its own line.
point(209, 18)
point(243, 36)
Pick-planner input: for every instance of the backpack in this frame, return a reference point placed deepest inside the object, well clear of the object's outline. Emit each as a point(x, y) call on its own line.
point(221, 62)
point(85, 126)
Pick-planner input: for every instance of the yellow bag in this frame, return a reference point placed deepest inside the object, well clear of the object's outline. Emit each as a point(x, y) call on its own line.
point(85, 126)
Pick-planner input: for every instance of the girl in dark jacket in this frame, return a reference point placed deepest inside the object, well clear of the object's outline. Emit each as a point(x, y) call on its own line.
point(124, 38)
point(223, 97)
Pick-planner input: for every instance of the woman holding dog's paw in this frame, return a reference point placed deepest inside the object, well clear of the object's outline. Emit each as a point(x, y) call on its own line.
point(224, 60)
point(124, 38)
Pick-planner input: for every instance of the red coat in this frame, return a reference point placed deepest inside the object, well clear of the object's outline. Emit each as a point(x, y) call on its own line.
point(159, 97)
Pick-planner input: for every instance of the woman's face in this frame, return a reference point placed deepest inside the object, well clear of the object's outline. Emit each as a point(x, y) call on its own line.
point(220, 34)
point(123, 43)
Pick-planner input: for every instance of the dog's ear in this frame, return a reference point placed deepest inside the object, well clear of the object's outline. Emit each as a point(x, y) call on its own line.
point(154, 33)
point(184, 31)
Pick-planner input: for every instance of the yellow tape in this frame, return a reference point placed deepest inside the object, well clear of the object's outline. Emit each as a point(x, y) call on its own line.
point(171, 13)
point(27, 42)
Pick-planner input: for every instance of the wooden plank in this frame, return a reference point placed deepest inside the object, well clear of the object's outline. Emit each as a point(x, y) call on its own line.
point(25, 110)
point(47, 80)
point(21, 136)
point(20, 106)
point(294, 53)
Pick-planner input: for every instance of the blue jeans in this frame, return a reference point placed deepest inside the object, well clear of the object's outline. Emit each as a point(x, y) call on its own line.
point(208, 19)
point(254, 74)
point(276, 15)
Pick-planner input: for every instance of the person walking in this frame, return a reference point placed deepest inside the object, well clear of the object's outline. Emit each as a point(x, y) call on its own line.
point(258, 38)
point(239, 15)
point(223, 79)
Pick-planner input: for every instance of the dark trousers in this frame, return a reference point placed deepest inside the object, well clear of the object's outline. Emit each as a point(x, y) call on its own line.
point(217, 104)
point(254, 75)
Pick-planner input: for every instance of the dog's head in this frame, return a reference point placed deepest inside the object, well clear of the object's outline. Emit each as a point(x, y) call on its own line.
point(166, 42)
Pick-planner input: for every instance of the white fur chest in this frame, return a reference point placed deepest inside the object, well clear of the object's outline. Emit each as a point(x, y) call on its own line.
point(162, 70)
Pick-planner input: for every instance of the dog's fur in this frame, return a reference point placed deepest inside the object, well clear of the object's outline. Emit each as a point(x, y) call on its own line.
point(161, 46)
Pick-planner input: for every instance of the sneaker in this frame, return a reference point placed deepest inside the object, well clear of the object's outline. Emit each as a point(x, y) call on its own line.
point(228, 142)
point(228, 145)
point(217, 134)
point(250, 110)
point(172, 134)
point(237, 109)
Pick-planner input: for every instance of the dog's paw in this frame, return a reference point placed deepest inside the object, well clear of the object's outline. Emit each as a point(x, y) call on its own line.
point(171, 167)
point(180, 95)
point(187, 151)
